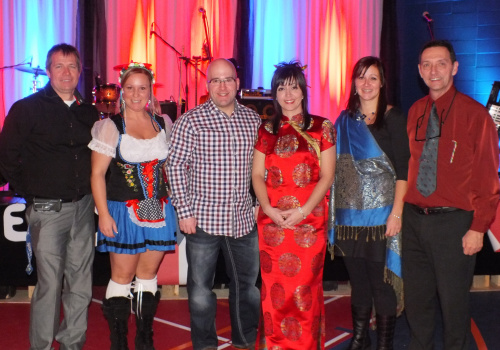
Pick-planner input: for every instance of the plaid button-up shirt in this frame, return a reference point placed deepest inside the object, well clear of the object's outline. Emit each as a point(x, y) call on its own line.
point(209, 168)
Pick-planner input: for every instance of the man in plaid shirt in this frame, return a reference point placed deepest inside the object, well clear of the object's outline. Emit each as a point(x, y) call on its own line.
point(209, 170)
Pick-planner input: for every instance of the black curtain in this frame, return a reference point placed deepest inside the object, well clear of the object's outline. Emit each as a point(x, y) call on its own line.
point(243, 43)
point(91, 42)
point(389, 51)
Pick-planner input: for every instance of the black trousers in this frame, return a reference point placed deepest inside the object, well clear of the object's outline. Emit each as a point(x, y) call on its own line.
point(437, 272)
point(368, 286)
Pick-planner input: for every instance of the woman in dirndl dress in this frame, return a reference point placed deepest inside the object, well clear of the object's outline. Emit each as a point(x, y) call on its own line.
point(136, 219)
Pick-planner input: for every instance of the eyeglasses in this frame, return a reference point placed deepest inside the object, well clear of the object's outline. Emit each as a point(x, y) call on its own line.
point(218, 81)
point(420, 120)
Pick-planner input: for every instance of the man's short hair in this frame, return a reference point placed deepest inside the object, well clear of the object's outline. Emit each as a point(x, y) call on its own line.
point(66, 49)
point(439, 43)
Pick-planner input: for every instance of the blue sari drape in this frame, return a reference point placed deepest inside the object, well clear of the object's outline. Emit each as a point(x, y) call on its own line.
point(363, 191)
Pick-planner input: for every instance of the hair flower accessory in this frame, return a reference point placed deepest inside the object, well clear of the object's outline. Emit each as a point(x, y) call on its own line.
point(125, 67)
point(297, 64)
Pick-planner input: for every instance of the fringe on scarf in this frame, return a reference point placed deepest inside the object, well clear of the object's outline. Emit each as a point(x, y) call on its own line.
point(397, 284)
point(331, 248)
point(375, 233)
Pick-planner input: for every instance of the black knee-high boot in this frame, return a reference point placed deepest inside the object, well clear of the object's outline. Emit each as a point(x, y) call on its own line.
point(385, 331)
point(360, 323)
point(145, 311)
point(116, 310)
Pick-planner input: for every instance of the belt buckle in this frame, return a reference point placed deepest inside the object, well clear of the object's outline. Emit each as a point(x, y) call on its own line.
point(426, 211)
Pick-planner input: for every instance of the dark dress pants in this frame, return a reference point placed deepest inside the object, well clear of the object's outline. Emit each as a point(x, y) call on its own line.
point(435, 270)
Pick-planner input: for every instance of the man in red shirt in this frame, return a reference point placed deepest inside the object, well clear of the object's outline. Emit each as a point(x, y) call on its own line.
point(450, 202)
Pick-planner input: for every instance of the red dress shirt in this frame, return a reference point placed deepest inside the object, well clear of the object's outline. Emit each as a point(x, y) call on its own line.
point(467, 171)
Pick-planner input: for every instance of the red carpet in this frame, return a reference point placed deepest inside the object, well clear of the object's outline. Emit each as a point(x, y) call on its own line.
point(171, 327)
point(172, 324)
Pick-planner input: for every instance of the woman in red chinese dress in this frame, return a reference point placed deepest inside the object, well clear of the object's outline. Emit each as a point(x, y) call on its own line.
point(293, 168)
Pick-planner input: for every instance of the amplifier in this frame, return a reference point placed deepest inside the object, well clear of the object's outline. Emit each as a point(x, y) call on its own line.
point(170, 108)
point(261, 94)
point(263, 106)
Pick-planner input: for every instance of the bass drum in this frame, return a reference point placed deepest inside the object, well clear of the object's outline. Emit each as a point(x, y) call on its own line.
point(106, 99)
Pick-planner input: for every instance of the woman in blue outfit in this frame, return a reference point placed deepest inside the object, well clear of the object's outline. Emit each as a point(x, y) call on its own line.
point(136, 219)
point(370, 182)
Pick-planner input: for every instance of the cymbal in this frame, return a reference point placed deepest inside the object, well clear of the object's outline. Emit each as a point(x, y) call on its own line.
point(32, 70)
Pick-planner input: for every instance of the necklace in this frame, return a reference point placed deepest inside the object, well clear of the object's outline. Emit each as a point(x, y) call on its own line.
point(364, 116)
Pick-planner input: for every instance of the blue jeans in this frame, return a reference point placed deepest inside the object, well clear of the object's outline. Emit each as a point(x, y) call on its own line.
point(241, 257)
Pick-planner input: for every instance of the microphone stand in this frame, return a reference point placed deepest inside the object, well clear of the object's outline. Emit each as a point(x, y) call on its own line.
point(429, 21)
point(196, 62)
point(430, 30)
point(187, 62)
point(206, 49)
point(15, 65)
point(205, 24)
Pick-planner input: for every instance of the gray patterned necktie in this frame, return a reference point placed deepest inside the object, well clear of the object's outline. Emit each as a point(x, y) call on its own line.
point(427, 172)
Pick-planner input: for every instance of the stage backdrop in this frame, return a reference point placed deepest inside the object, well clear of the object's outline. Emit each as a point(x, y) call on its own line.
point(327, 35)
point(29, 28)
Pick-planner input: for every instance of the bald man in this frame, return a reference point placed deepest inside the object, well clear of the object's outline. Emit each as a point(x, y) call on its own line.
point(209, 169)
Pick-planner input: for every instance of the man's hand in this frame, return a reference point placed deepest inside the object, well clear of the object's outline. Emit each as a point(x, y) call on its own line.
point(472, 242)
point(188, 225)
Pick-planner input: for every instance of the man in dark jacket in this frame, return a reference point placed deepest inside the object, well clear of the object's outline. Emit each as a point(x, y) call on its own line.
point(45, 158)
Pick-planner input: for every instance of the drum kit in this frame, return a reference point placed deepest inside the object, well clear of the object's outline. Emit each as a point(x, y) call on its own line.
point(106, 99)
point(105, 96)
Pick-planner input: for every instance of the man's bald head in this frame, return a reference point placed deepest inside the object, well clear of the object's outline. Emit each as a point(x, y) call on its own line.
point(222, 84)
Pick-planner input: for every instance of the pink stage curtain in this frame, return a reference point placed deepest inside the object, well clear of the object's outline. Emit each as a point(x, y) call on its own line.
point(180, 24)
point(328, 36)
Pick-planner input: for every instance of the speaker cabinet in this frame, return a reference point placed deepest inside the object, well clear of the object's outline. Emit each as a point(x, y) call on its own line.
point(170, 108)
point(264, 107)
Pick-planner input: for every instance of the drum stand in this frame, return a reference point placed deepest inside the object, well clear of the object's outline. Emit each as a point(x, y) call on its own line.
point(34, 88)
point(36, 72)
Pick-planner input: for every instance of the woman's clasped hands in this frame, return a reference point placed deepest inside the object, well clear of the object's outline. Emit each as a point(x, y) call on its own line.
point(284, 218)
